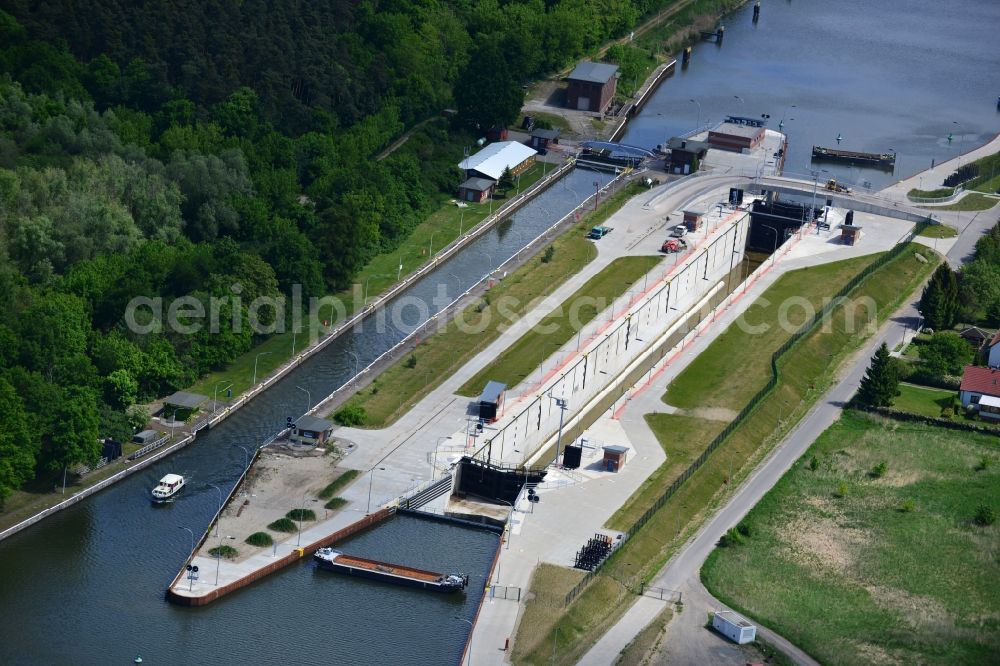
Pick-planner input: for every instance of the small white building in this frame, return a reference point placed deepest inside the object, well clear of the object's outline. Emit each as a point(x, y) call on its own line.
point(491, 161)
point(734, 627)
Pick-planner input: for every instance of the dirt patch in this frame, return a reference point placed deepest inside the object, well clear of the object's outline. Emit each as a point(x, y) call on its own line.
point(712, 413)
point(874, 654)
point(283, 478)
point(819, 540)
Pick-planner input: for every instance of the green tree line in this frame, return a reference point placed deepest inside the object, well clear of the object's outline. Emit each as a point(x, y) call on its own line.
point(178, 149)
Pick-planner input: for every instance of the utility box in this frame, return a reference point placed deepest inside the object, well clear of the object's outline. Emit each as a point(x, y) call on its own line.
point(614, 457)
point(734, 627)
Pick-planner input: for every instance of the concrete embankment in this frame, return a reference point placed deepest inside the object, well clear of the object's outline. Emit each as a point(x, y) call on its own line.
point(178, 595)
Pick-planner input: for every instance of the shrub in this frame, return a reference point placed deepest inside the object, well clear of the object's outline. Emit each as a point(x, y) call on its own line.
point(411, 362)
point(908, 506)
point(842, 489)
point(814, 463)
point(550, 252)
point(879, 470)
point(374, 390)
point(947, 413)
point(227, 552)
point(744, 530)
point(283, 525)
point(730, 538)
point(301, 514)
point(338, 483)
point(260, 539)
point(351, 415)
point(984, 464)
point(984, 515)
point(335, 503)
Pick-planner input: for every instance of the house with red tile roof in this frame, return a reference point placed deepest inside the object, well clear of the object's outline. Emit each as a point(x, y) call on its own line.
point(980, 390)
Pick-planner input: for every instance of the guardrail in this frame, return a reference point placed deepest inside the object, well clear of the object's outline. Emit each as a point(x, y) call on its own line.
point(135, 455)
point(959, 190)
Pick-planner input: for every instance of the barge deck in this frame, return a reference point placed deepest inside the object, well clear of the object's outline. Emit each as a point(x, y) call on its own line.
point(334, 560)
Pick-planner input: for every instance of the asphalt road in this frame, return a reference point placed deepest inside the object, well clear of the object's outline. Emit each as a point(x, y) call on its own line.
point(686, 639)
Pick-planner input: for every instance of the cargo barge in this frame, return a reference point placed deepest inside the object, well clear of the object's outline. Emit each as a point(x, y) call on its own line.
point(879, 160)
point(334, 560)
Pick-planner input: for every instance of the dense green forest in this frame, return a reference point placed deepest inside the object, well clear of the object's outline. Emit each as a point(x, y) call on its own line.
point(175, 149)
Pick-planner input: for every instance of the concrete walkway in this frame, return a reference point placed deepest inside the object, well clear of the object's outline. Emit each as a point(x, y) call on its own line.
point(685, 642)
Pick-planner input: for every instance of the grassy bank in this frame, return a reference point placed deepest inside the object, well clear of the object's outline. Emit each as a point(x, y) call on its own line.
point(561, 324)
point(893, 571)
point(923, 401)
point(939, 193)
point(378, 276)
point(938, 231)
point(971, 201)
point(440, 355)
point(806, 371)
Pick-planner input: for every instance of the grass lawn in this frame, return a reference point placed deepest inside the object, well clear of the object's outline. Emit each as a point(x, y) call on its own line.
point(971, 201)
point(441, 354)
point(939, 193)
point(938, 231)
point(378, 275)
point(556, 328)
point(709, 382)
point(893, 571)
point(557, 122)
point(924, 401)
point(806, 371)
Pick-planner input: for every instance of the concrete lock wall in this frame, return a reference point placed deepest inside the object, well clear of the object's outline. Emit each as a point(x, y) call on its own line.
point(652, 313)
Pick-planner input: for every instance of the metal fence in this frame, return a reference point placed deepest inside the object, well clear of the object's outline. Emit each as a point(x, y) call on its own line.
point(754, 402)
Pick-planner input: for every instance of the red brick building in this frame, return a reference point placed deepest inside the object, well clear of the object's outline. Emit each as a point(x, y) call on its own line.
point(592, 86)
point(730, 136)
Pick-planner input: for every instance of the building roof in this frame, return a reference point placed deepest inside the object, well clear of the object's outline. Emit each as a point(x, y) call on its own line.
point(593, 72)
point(185, 399)
point(614, 448)
point(975, 333)
point(989, 401)
point(492, 392)
point(733, 618)
point(307, 422)
point(732, 129)
point(981, 380)
point(494, 158)
point(547, 133)
point(478, 184)
point(689, 145)
point(145, 434)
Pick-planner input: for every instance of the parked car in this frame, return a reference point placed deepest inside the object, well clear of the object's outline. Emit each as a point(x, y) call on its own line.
point(597, 233)
point(680, 231)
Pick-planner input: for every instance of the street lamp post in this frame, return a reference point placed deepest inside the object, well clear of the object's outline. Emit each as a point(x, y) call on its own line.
point(371, 479)
point(472, 628)
point(768, 226)
point(215, 396)
point(961, 138)
point(254, 382)
point(219, 490)
point(563, 405)
point(743, 104)
point(246, 455)
point(308, 397)
point(302, 510)
point(698, 125)
point(190, 557)
point(356, 362)
point(510, 519)
point(434, 465)
point(430, 251)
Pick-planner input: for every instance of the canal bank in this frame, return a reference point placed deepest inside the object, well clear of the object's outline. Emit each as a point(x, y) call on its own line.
point(112, 556)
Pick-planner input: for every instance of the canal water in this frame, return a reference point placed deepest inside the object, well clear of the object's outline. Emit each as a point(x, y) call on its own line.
point(86, 585)
point(885, 76)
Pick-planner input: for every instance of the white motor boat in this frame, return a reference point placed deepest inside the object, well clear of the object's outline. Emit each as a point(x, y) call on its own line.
point(168, 486)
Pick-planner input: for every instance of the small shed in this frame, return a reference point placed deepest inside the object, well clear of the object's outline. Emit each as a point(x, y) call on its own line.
point(145, 437)
point(976, 337)
point(476, 189)
point(311, 430)
point(614, 457)
point(497, 133)
point(693, 219)
point(686, 154)
point(184, 401)
point(542, 138)
point(734, 627)
point(850, 234)
point(491, 401)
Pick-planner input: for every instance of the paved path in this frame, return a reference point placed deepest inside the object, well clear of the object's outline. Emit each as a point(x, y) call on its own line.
point(682, 572)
